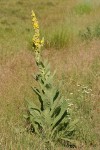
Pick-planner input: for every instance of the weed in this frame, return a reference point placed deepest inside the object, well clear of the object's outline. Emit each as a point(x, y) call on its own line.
point(52, 119)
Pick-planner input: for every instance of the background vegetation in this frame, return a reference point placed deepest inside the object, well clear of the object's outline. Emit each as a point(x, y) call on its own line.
point(72, 44)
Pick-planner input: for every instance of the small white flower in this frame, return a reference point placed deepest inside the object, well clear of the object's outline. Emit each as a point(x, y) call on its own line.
point(71, 93)
point(67, 99)
point(85, 87)
point(69, 118)
point(90, 89)
point(70, 104)
point(87, 92)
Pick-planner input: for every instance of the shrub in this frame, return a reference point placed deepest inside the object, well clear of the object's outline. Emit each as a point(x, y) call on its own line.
point(86, 34)
point(90, 32)
point(51, 120)
point(97, 30)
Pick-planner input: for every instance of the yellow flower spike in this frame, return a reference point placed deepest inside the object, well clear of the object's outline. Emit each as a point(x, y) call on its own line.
point(37, 43)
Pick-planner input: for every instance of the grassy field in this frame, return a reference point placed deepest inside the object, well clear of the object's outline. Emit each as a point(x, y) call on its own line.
point(71, 29)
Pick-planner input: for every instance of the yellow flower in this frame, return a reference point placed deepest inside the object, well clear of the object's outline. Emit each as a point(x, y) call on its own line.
point(42, 41)
point(33, 14)
point(36, 25)
point(37, 41)
point(37, 45)
point(33, 19)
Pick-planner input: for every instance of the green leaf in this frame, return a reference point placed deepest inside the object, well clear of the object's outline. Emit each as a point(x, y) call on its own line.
point(33, 106)
point(60, 116)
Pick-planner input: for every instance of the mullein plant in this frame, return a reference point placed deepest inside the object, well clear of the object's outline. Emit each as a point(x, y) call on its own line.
point(51, 120)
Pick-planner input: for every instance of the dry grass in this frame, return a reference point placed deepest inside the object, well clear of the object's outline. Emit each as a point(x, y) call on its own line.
point(15, 79)
point(78, 63)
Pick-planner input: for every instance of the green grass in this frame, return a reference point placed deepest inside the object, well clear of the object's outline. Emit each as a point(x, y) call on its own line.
point(82, 9)
point(77, 63)
point(61, 37)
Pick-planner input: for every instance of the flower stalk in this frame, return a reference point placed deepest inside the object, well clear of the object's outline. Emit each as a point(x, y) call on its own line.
point(37, 43)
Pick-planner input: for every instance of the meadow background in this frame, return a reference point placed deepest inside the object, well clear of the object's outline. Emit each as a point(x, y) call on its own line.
point(71, 29)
